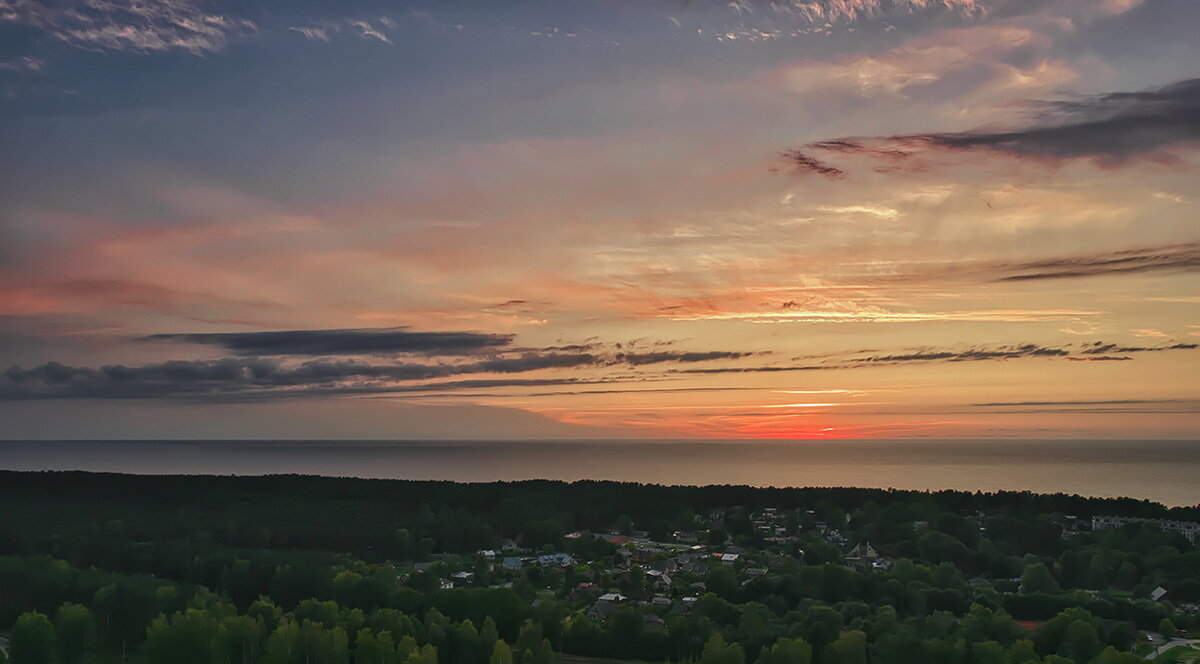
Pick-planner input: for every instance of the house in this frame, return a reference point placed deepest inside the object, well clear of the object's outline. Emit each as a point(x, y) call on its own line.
point(460, 579)
point(865, 555)
point(1189, 529)
point(488, 554)
point(512, 563)
point(862, 552)
point(600, 611)
point(644, 556)
point(556, 560)
point(832, 535)
point(605, 604)
point(1158, 593)
point(729, 558)
point(584, 590)
point(669, 565)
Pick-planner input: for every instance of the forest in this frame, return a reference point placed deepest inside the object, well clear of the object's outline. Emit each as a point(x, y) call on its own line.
point(280, 569)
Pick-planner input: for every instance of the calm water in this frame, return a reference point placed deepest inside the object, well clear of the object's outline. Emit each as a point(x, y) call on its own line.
point(1164, 471)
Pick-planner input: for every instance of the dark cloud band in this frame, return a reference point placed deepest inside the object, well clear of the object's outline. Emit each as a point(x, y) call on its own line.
point(266, 377)
point(342, 342)
point(1181, 257)
point(1090, 351)
point(1111, 129)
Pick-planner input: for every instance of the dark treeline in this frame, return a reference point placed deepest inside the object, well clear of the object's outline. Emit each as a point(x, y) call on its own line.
point(358, 515)
point(291, 569)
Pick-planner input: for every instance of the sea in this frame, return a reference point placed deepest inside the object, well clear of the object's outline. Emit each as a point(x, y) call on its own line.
point(1164, 471)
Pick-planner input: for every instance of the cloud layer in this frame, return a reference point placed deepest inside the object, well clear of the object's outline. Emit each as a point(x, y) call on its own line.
point(264, 377)
point(342, 342)
point(860, 359)
point(130, 25)
point(1110, 129)
point(1174, 258)
point(273, 366)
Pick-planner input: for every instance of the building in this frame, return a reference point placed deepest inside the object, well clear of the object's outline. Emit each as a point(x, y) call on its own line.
point(643, 556)
point(863, 554)
point(584, 590)
point(1189, 529)
point(556, 560)
point(605, 604)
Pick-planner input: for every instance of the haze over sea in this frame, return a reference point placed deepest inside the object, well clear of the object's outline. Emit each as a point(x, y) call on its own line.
point(1165, 471)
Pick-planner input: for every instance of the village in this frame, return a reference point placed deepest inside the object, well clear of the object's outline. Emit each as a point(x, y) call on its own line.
point(669, 575)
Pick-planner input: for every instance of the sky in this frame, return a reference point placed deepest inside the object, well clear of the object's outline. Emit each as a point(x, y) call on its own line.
point(599, 219)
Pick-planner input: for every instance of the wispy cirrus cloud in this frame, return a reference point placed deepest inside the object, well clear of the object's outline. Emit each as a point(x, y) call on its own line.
point(838, 11)
point(365, 29)
point(371, 29)
point(26, 63)
point(60, 296)
point(1110, 129)
point(927, 355)
point(1101, 406)
point(1165, 259)
point(1110, 402)
point(878, 315)
point(1101, 348)
point(970, 355)
point(130, 25)
point(658, 357)
point(315, 33)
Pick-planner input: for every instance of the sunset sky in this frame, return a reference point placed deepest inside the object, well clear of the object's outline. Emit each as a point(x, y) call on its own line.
point(620, 218)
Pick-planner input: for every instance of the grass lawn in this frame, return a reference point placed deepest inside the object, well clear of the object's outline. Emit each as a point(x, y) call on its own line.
point(1179, 655)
